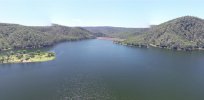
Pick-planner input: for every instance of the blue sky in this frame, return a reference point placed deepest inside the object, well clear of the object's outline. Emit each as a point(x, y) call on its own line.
point(121, 13)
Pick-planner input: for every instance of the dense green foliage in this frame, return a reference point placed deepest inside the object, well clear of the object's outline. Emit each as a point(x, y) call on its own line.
point(14, 36)
point(184, 33)
point(64, 33)
point(116, 32)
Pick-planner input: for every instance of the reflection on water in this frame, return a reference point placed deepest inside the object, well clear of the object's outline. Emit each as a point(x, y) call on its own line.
point(84, 87)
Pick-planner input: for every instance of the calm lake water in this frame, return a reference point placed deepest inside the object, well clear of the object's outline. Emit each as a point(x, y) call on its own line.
point(100, 70)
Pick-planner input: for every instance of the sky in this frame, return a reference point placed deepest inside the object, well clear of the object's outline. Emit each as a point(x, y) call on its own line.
point(118, 13)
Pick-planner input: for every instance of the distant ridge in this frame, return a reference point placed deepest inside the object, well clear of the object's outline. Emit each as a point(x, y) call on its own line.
point(117, 32)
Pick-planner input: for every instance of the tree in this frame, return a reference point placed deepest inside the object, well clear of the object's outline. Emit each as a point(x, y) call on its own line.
point(27, 58)
point(7, 59)
point(8, 55)
point(24, 51)
point(38, 52)
point(2, 59)
point(11, 52)
point(50, 54)
point(32, 54)
point(19, 56)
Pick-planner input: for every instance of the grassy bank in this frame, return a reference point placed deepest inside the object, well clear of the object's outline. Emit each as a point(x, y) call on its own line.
point(23, 56)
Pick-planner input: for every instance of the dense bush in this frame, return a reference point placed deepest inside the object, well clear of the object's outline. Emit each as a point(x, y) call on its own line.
point(181, 33)
point(17, 36)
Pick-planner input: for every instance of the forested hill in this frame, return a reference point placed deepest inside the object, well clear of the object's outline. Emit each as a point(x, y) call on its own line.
point(64, 33)
point(14, 36)
point(184, 33)
point(117, 32)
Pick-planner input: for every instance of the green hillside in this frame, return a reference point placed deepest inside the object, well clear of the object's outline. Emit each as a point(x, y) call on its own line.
point(13, 36)
point(184, 33)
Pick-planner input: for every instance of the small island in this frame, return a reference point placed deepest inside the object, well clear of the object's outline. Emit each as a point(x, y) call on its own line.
point(24, 56)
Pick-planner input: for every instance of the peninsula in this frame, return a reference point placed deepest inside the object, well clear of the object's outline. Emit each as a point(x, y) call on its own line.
point(24, 56)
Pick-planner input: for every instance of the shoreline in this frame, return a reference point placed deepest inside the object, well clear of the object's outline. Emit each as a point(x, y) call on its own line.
point(110, 38)
point(155, 46)
point(25, 62)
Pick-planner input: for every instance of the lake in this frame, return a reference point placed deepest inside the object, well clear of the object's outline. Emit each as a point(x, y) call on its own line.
point(100, 70)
